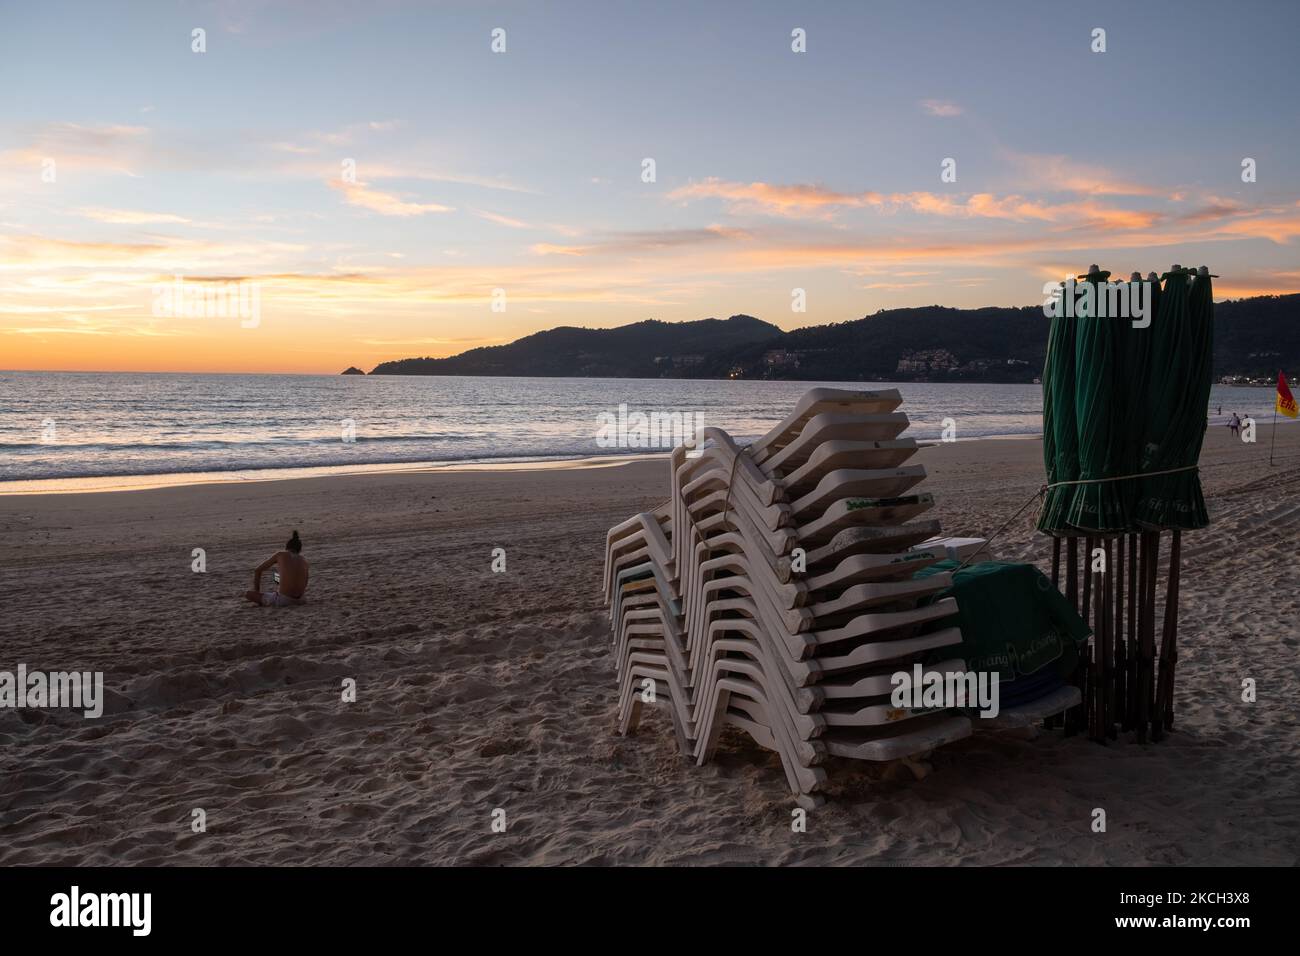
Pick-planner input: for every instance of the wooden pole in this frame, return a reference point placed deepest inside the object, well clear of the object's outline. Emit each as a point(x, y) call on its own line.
point(1169, 640)
point(1076, 720)
point(1147, 638)
point(1108, 645)
point(1140, 711)
point(1055, 720)
point(1090, 619)
point(1134, 610)
point(1087, 579)
point(1119, 593)
point(1072, 574)
point(1149, 690)
point(1121, 650)
point(1097, 674)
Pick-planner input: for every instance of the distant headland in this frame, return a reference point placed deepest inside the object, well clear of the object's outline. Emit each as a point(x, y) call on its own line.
point(1253, 338)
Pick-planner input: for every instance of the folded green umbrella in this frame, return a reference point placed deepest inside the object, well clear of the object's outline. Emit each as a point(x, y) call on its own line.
point(1060, 440)
point(1134, 361)
point(1098, 504)
point(1201, 309)
point(1178, 394)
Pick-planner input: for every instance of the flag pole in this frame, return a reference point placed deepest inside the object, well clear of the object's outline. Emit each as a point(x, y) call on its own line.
point(1272, 442)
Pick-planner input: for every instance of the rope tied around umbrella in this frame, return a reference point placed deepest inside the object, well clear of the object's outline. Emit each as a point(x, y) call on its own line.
point(1139, 474)
point(1042, 492)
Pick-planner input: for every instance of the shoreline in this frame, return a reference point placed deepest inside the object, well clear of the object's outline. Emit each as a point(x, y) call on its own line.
point(95, 484)
point(103, 483)
point(180, 479)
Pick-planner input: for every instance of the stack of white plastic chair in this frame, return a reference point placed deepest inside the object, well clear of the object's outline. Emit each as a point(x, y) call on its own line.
point(774, 592)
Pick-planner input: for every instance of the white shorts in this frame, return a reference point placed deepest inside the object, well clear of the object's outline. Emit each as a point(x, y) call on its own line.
point(276, 599)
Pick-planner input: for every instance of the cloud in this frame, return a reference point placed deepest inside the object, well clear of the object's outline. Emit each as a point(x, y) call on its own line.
point(427, 340)
point(1242, 290)
point(941, 108)
point(386, 204)
point(294, 148)
point(633, 243)
point(388, 170)
point(130, 217)
point(1051, 173)
point(894, 286)
point(56, 330)
point(43, 309)
point(799, 199)
point(35, 252)
point(501, 220)
point(112, 148)
point(817, 201)
point(1085, 215)
point(1279, 229)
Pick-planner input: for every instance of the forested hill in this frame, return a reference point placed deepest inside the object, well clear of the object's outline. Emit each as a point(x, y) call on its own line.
point(641, 350)
point(1253, 338)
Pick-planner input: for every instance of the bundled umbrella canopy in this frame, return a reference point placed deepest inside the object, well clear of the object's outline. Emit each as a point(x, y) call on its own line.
point(1135, 375)
point(1178, 396)
point(1060, 440)
point(1098, 504)
point(1119, 401)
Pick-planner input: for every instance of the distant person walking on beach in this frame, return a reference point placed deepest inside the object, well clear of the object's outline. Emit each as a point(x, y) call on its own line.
point(291, 572)
point(1234, 424)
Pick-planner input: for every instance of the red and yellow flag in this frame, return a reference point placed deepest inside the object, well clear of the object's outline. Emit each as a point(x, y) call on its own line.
point(1285, 400)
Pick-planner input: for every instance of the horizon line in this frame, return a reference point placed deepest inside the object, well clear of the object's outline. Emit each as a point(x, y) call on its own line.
point(933, 305)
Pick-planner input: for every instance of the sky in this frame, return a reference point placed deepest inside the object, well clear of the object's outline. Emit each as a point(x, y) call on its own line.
point(377, 181)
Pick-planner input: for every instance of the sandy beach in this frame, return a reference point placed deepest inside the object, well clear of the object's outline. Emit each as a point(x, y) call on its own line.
point(479, 690)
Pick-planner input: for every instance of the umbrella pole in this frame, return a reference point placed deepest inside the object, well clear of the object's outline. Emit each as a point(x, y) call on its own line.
point(1108, 662)
point(1087, 579)
point(1144, 559)
point(1146, 669)
point(1108, 665)
point(1121, 651)
point(1169, 640)
point(1150, 689)
point(1054, 720)
point(1072, 574)
point(1085, 597)
point(1097, 677)
point(1094, 659)
point(1074, 717)
point(1134, 608)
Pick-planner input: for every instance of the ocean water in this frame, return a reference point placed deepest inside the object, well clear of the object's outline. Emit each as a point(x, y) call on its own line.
point(90, 424)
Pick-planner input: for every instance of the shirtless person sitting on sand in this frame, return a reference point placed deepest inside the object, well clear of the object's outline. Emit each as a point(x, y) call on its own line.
point(292, 567)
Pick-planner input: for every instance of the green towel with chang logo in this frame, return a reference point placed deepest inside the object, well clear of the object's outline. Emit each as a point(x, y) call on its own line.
point(1012, 619)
